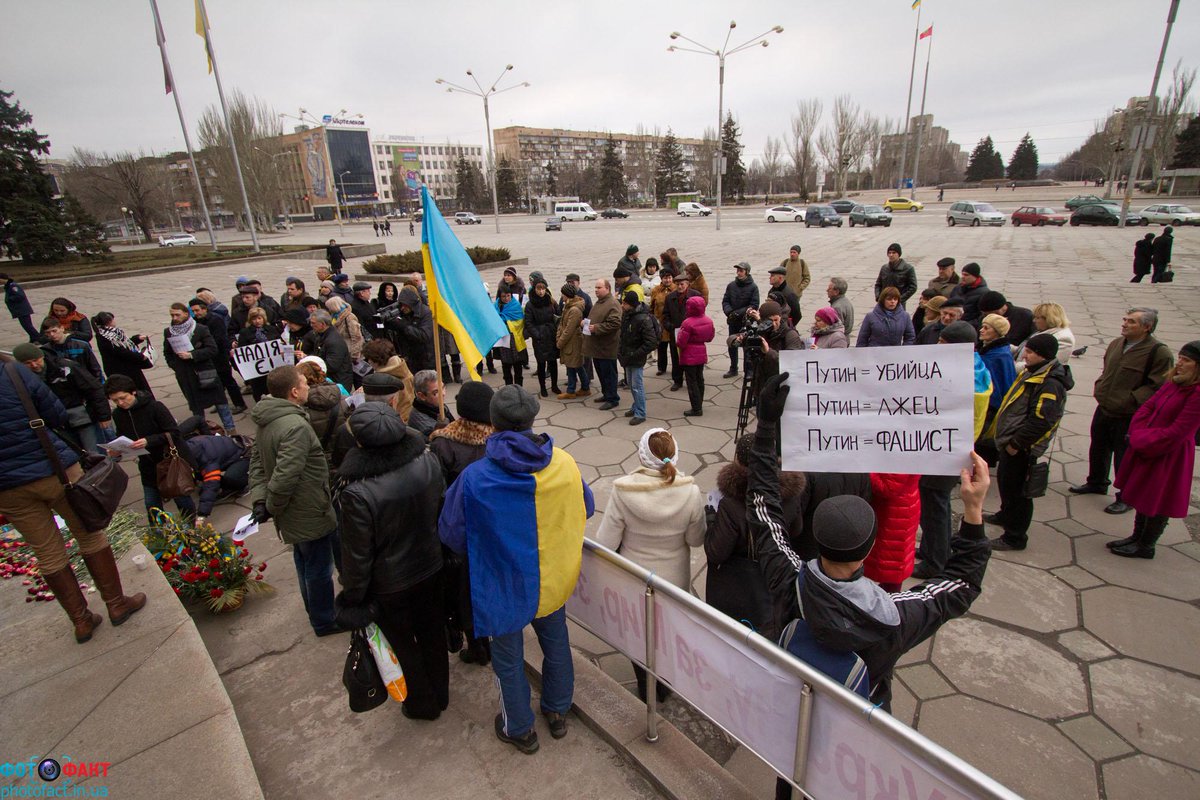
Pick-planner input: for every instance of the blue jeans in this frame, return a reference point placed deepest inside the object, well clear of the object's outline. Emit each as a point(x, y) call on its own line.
point(314, 568)
point(558, 673)
point(154, 500)
point(637, 387)
point(226, 417)
point(606, 371)
point(573, 373)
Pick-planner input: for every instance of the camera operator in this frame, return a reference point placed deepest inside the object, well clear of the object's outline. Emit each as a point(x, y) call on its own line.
point(741, 295)
point(767, 328)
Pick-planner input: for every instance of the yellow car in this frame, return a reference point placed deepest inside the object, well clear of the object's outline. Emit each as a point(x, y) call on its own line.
point(902, 204)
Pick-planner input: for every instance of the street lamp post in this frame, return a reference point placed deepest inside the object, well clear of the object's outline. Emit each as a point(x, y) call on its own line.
point(487, 121)
point(342, 183)
point(124, 211)
point(721, 55)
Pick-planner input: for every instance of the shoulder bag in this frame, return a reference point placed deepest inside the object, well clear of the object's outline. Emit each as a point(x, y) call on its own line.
point(360, 676)
point(96, 496)
point(174, 474)
point(1037, 481)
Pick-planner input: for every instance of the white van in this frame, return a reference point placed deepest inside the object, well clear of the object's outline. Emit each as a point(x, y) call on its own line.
point(573, 212)
point(687, 209)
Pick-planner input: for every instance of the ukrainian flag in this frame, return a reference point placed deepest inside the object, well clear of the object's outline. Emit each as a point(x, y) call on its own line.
point(457, 296)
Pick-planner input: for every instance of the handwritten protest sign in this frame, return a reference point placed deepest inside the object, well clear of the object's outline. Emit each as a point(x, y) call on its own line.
point(256, 360)
point(879, 409)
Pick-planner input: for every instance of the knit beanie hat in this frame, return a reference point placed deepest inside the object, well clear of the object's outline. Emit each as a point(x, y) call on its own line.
point(296, 316)
point(1044, 345)
point(513, 409)
point(567, 290)
point(1190, 350)
point(28, 351)
point(828, 315)
point(769, 309)
point(972, 269)
point(958, 333)
point(473, 402)
point(630, 298)
point(991, 301)
point(894, 247)
point(844, 527)
point(997, 323)
point(795, 248)
point(623, 271)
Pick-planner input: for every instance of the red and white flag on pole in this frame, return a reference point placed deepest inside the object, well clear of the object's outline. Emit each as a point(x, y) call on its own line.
point(928, 32)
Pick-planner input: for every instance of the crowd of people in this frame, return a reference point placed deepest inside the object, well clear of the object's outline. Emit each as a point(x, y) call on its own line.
point(461, 528)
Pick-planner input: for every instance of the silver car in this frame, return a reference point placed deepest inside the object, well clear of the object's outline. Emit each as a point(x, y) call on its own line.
point(1169, 214)
point(973, 213)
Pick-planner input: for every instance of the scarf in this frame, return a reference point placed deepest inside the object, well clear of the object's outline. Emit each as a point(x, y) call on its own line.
point(648, 459)
point(67, 320)
point(117, 338)
point(183, 330)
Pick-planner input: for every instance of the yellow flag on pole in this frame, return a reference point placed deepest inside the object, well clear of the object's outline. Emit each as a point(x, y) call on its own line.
point(202, 31)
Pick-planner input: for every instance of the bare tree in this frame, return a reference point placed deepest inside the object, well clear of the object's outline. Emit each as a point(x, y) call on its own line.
point(641, 169)
point(771, 162)
point(255, 125)
point(804, 131)
point(105, 184)
point(705, 175)
point(1173, 114)
point(841, 142)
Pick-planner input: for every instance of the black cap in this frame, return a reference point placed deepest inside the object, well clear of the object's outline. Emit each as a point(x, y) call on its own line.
point(777, 271)
point(296, 316)
point(1044, 344)
point(380, 383)
point(945, 262)
point(360, 285)
point(958, 333)
point(991, 301)
point(844, 527)
point(473, 402)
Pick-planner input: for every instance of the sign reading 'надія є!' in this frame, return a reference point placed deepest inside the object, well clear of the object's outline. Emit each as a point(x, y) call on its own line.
point(256, 360)
point(879, 409)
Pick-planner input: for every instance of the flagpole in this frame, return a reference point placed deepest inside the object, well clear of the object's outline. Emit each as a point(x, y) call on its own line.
point(921, 116)
point(437, 292)
point(187, 141)
point(908, 106)
point(237, 164)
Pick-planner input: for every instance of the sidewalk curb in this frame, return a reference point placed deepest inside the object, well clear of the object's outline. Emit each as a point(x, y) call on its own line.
point(674, 764)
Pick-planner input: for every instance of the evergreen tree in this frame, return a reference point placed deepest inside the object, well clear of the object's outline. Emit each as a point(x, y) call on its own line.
point(468, 184)
point(507, 190)
point(669, 175)
point(551, 179)
point(83, 232)
point(612, 190)
point(1187, 146)
point(734, 183)
point(31, 219)
point(985, 162)
point(1024, 163)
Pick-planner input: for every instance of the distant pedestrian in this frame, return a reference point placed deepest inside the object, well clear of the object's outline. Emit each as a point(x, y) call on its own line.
point(1160, 258)
point(333, 254)
point(387, 227)
point(411, 230)
point(19, 306)
point(375, 225)
point(798, 276)
point(941, 194)
point(1143, 254)
point(898, 273)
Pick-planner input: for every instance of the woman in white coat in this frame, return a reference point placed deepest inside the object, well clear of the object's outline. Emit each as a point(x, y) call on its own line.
point(654, 517)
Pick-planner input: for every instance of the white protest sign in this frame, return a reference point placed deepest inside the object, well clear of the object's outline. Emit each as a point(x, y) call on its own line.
point(256, 360)
point(907, 410)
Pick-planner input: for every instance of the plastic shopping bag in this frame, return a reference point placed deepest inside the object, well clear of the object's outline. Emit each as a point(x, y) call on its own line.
point(389, 666)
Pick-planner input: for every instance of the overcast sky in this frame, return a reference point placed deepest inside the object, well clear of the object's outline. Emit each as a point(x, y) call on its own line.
point(90, 73)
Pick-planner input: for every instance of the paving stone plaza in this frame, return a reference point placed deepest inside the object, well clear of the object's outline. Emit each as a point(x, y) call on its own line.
point(1076, 674)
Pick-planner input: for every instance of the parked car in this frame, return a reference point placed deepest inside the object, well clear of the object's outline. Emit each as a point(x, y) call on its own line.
point(822, 216)
point(467, 218)
point(1103, 214)
point(418, 215)
point(1083, 200)
point(614, 213)
point(175, 239)
point(784, 214)
point(553, 224)
point(902, 204)
point(870, 216)
point(974, 213)
point(842, 205)
point(399, 213)
point(1169, 215)
point(688, 209)
point(1035, 215)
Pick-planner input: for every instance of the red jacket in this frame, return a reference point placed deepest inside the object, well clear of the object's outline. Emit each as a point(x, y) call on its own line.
point(696, 331)
point(1156, 471)
point(897, 503)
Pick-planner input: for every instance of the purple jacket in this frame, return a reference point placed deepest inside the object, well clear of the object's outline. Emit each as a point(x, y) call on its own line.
point(1156, 472)
point(883, 328)
point(696, 331)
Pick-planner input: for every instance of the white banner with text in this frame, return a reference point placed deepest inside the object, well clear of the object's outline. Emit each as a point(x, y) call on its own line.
point(906, 410)
point(256, 360)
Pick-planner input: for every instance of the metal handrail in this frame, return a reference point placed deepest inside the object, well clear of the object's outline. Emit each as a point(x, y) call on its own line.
point(817, 683)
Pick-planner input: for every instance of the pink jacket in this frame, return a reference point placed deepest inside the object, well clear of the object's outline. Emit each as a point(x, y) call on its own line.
point(897, 503)
point(696, 331)
point(1156, 471)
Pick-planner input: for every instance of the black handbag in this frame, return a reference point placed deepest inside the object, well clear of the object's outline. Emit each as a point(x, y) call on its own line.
point(1037, 481)
point(360, 676)
point(96, 496)
point(207, 377)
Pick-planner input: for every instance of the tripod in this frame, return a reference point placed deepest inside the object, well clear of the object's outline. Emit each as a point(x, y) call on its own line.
point(751, 384)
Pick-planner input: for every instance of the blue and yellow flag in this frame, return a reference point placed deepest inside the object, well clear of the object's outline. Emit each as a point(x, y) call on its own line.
point(457, 296)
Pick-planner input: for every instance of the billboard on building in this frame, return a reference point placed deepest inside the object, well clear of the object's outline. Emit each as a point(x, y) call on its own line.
point(350, 157)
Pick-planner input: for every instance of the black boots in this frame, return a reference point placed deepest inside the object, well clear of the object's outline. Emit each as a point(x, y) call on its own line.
point(1146, 533)
point(66, 590)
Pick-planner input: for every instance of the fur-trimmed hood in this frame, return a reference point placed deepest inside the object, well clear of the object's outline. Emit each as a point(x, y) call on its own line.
point(733, 479)
point(464, 431)
point(367, 463)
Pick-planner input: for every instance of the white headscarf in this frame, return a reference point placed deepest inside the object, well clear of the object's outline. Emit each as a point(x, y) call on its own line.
point(648, 459)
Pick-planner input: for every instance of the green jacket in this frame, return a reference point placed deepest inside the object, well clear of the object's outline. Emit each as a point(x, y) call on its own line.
point(1130, 378)
point(288, 470)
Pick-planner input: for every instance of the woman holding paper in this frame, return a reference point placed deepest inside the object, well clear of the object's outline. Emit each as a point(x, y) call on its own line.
point(257, 331)
point(148, 423)
point(122, 354)
point(655, 515)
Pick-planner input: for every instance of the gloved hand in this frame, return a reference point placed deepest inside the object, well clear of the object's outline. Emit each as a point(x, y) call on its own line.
point(259, 513)
point(772, 397)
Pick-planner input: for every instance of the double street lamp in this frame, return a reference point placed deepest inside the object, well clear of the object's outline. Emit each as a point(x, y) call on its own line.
point(484, 94)
point(721, 55)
